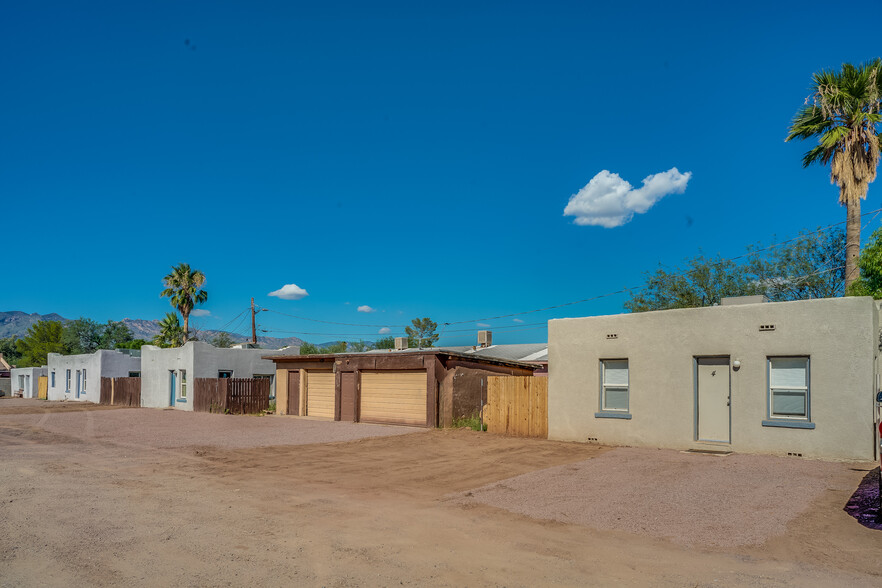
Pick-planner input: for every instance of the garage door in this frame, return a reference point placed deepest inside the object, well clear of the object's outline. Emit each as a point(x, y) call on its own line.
point(393, 397)
point(320, 394)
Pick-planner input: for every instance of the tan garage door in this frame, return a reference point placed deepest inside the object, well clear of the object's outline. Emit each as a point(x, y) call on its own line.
point(393, 397)
point(320, 394)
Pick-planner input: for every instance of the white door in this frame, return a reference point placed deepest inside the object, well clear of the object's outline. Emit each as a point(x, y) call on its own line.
point(713, 399)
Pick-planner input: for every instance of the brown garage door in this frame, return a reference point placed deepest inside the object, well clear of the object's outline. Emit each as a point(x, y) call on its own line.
point(393, 397)
point(320, 394)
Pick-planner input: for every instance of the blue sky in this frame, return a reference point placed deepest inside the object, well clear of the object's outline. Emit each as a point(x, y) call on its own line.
point(415, 158)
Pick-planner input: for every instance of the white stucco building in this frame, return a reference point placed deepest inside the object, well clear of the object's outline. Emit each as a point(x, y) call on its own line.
point(167, 374)
point(25, 381)
point(787, 378)
point(78, 377)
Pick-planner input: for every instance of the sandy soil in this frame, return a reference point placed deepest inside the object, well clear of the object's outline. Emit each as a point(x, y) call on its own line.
point(86, 509)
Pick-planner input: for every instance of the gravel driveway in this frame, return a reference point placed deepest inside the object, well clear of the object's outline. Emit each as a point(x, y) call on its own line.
point(147, 427)
point(691, 499)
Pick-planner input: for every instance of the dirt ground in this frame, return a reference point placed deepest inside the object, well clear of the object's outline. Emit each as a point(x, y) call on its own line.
point(79, 506)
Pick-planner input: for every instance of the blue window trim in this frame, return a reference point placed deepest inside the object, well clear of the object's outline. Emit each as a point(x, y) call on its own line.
point(180, 400)
point(613, 415)
point(790, 424)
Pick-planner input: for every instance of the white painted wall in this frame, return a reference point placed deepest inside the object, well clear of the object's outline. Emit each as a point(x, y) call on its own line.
point(841, 337)
point(199, 360)
point(31, 377)
point(103, 363)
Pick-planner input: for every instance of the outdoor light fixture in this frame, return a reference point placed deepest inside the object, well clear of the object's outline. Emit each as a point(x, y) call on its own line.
point(736, 364)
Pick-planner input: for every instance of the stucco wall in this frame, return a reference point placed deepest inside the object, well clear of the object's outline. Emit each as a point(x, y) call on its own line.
point(101, 364)
point(839, 335)
point(32, 385)
point(201, 360)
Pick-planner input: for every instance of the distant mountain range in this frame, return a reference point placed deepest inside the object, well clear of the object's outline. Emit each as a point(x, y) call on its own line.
point(15, 324)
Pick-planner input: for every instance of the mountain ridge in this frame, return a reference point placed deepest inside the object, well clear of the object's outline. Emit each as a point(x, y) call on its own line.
point(15, 323)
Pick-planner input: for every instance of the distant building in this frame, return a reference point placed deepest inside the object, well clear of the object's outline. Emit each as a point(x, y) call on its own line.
point(167, 374)
point(25, 381)
point(78, 377)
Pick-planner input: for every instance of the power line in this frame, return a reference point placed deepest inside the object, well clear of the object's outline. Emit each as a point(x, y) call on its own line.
point(331, 322)
point(684, 273)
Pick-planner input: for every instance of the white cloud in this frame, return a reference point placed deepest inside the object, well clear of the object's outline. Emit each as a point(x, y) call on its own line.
point(483, 325)
point(609, 201)
point(517, 320)
point(200, 312)
point(385, 331)
point(290, 292)
point(366, 308)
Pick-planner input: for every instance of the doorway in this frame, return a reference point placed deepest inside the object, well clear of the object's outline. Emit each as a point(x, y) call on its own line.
point(713, 399)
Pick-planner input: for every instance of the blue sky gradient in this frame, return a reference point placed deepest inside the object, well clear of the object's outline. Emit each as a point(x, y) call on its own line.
point(416, 158)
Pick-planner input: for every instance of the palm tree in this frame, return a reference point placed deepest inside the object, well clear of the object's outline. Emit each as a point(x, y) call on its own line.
point(183, 288)
point(842, 112)
point(170, 331)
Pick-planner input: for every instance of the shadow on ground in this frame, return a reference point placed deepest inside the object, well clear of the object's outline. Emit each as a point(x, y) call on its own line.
point(864, 503)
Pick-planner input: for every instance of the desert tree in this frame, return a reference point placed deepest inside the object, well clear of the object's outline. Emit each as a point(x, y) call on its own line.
point(183, 287)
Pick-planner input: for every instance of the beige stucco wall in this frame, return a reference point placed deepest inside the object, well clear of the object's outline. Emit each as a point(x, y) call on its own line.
point(840, 336)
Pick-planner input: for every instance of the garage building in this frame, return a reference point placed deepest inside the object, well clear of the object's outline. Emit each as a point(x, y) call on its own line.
point(423, 388)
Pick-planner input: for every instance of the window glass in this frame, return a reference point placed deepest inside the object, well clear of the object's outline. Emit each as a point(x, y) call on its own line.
point(788, 387)
point(615, 385)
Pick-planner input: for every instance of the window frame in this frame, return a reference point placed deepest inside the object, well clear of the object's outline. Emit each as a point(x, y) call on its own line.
point(604, 410)
point(84, 380)
point(53, 378)
point(182, 386)
point(67, 381)
point(219, 372)
point(771, 416)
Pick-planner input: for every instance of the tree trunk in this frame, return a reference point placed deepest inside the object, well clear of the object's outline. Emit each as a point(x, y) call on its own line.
point(852, 240)
point(187, 320)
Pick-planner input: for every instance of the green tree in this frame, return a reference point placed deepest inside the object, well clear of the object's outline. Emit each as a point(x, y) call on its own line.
point(810, 266)
point(703, 283)
point(870, 281)
point(9, 350)
point(422, 333)
point(42, 338)
point(114, 335)
point(307, 348)
point(385, 343)
point(183, 287)
point(171, 334)
point(843, 112)
point(360, 346)
point(82, 335)
point(222, 340)
point(133, 344)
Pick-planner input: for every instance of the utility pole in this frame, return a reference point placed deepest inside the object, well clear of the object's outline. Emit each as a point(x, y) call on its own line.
point(253, 326)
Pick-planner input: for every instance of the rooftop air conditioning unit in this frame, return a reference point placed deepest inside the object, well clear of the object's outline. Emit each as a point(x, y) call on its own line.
point(485, 338)
point(400, 343)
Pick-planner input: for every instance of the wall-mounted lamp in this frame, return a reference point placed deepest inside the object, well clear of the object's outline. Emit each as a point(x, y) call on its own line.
point(736, 364)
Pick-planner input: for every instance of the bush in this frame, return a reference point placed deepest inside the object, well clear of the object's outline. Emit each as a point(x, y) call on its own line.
point(471, 422)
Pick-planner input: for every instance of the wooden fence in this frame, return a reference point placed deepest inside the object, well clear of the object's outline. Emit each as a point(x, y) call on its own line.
point(121, 391)
point(517, 405)
point(231, 395)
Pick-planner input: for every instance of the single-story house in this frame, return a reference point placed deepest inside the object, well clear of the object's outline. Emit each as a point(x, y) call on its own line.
point(786, 378)
point(78, 377)
point(167, 374)
point(419, 387)
point(5, 380)
point(25, 381)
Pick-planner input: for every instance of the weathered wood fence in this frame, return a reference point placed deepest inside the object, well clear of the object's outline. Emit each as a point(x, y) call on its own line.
point(231, 395)
point(517, 405)
point(121, 391)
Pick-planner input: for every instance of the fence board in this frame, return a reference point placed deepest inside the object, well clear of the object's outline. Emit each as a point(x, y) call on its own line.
point(518, 405)
point(231, 395)
point(120, 391)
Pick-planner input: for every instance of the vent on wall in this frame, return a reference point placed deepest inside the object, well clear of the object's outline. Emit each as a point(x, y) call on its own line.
point(612, 335)
point(793, 454)
point(767, 327)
